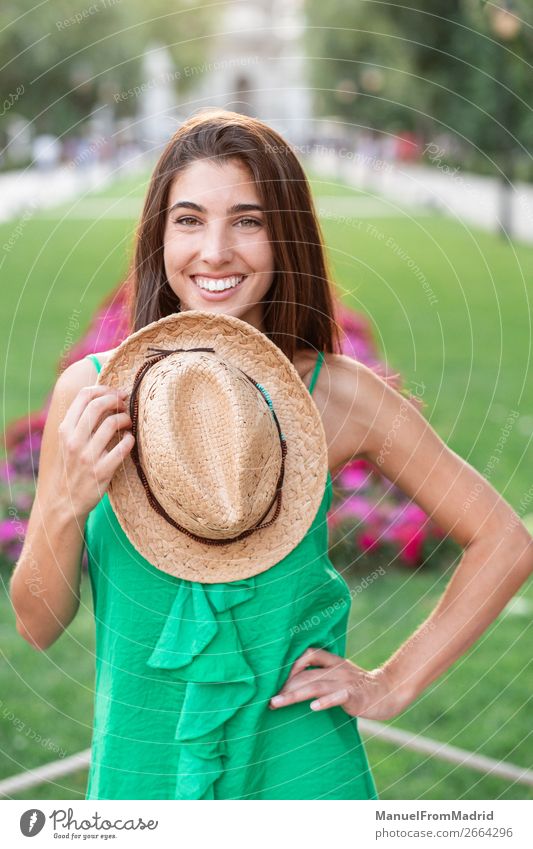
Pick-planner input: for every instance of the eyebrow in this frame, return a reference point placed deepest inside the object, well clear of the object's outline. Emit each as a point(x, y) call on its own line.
point(237, 207)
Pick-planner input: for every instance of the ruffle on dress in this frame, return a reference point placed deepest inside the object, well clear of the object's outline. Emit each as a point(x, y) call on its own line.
point(200, 639)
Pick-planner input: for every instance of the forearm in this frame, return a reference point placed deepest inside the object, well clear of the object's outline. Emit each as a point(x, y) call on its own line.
point(45, 582)
point(490, 572)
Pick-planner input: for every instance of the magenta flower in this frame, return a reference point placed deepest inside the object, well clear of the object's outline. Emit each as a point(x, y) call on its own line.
point(8, 531)
point(367, 541)
point(358, 507)
point(413, 513)
point(6, 471)
point(410, 539)
point(355, 475)
point(23, 501)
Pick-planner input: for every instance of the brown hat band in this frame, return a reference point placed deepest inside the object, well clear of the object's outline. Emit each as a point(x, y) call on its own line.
point(134, 412)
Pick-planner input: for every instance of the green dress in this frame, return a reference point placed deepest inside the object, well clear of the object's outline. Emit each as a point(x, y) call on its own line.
point(185, 671)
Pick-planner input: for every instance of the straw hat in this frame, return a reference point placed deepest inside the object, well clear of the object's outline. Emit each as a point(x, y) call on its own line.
point(229, 463)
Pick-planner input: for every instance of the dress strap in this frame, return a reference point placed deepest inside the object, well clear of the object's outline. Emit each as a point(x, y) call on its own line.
point(95, 360)
point(319, 361)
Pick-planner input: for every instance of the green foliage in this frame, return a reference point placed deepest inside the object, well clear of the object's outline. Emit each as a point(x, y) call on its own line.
point(81, 55)
point(443, 68)
point(359, 44)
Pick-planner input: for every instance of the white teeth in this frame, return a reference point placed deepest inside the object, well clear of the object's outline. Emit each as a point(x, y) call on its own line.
point(217, 285)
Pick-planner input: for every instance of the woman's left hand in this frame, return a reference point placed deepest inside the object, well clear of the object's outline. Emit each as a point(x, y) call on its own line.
point(338, 681)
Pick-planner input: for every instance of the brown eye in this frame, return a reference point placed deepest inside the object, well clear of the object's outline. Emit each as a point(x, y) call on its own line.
point(250, 220)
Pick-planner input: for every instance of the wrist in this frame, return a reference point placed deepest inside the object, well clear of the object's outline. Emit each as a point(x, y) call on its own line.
point(401, 691)
point(62, 513)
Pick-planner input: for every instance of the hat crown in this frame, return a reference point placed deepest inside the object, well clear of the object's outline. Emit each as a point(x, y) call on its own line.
point(165, 543)
point(208, 444)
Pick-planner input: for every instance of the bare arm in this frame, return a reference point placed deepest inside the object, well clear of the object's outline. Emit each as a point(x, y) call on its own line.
point(497, 548)
point(387, 430)
point(45, 583)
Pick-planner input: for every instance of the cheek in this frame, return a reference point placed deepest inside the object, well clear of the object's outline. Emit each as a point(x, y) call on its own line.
point(167, 259)
point(259, 251)
point(173, 250)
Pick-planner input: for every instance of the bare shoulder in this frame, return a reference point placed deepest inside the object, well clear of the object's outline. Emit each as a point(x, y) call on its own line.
point(346, 368)
point(349, 395)
point(71, 381)
point(350, 382)
point(76, 376)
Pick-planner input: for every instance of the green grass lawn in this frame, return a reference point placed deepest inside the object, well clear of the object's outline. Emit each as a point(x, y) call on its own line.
point(470, 347)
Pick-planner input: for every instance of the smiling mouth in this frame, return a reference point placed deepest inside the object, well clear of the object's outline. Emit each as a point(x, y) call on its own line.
point(210, 284)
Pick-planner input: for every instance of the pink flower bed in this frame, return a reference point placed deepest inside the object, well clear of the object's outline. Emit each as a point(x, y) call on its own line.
point(375, 516)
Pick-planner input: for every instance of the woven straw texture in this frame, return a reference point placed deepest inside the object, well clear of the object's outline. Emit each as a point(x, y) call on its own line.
point(187, 439)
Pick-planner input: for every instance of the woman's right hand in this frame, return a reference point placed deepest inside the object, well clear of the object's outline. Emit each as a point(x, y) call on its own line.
point(86, 465)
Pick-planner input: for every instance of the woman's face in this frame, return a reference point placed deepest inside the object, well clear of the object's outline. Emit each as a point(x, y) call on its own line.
point(214, 239)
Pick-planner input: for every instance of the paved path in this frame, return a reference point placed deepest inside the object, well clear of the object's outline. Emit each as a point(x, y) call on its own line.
point(22, 193)
point(469, 198)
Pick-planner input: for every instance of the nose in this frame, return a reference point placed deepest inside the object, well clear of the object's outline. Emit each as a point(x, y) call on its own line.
point(216, 244)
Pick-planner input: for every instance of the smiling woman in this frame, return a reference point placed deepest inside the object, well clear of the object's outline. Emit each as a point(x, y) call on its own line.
point(221, 204)
point(188, 671)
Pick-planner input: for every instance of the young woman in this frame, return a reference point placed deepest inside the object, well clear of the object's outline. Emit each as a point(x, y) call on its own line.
point(229, 226)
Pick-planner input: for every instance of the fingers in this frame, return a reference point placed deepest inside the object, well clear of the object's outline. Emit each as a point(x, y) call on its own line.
point(80, 402)
point(107, 429)
point(302, 679)
point(96, 409)
point(326, 693)
point(114, 457)
point(314, 690)
point(315, 657)
point(339, 697)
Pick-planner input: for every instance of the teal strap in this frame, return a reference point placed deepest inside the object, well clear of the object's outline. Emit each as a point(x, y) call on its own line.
point(95, 360)
point(319, 361)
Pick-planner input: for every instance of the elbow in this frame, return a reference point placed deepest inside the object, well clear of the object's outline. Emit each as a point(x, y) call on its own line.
point(26, 635)
point(39, 626)
point(26, 631)
point(527, 552)
point(39, 642)
point(521, 551)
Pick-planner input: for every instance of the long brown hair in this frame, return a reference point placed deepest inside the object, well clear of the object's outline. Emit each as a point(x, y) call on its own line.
point(298, 310)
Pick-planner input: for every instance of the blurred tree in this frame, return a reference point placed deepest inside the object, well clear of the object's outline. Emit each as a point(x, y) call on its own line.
point(500, 124)
point(459, 66)
point(69, 58)
point(359, 61)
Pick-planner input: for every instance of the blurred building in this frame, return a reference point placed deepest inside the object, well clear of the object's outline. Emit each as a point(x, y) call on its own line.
point(157, 111)
point(257, 66)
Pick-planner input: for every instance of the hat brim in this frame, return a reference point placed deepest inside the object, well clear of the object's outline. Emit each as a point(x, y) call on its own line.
point(162, 545)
